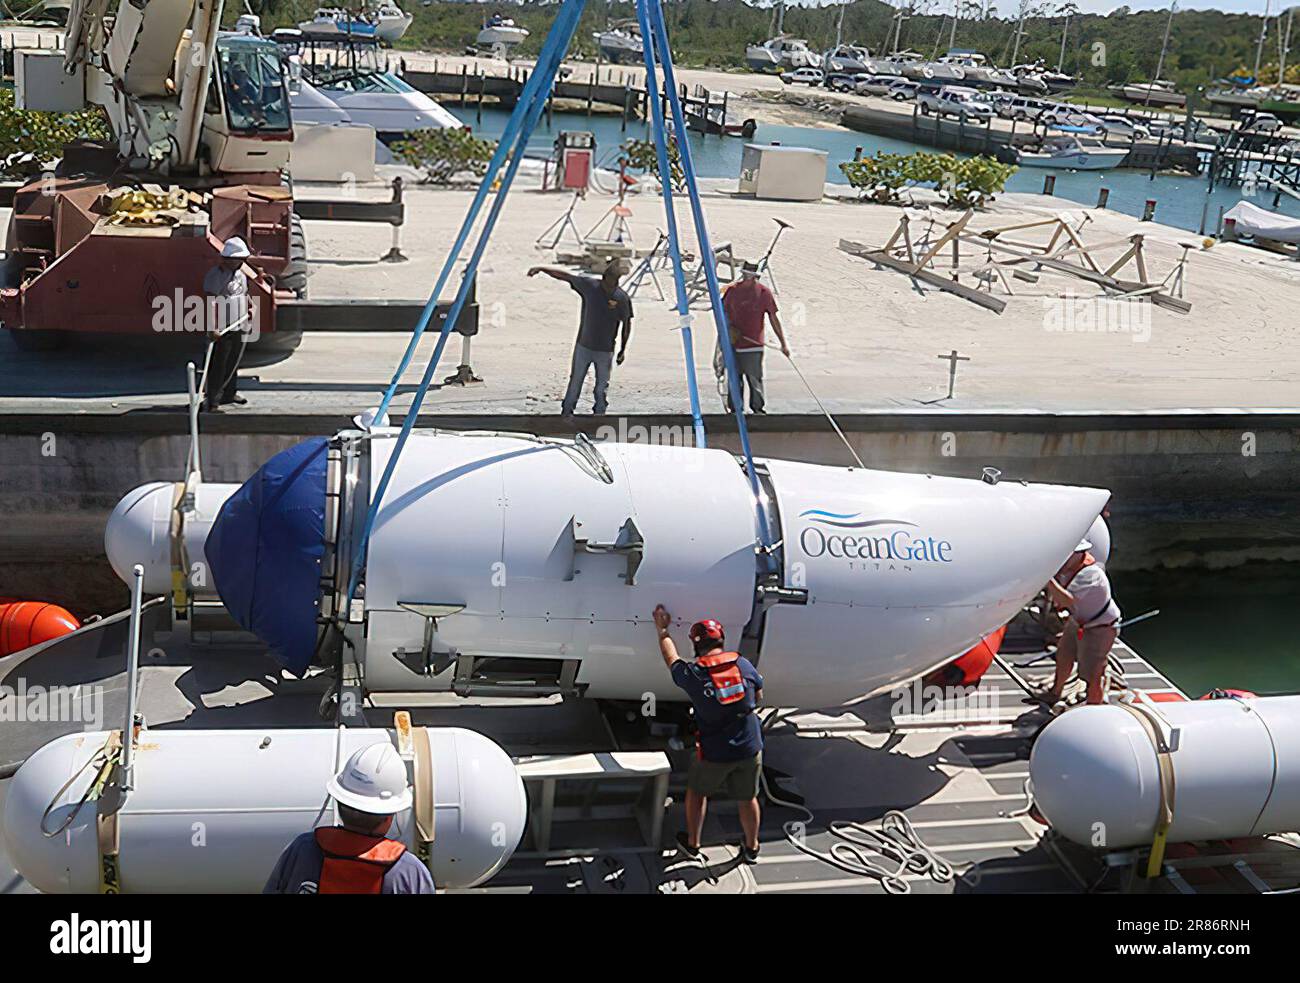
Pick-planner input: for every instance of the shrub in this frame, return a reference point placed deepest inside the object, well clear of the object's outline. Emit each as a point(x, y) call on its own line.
point(641, 155)
point(963, 182)
point(30, 140)
point(442, 154)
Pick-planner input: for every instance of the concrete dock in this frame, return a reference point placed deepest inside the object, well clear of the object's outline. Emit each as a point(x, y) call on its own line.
point(866, 339)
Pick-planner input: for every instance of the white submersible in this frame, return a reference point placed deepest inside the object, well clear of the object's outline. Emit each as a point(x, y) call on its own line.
point(509, 564)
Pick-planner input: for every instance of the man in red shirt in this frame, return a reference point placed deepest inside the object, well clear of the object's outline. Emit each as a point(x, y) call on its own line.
point(747, 303)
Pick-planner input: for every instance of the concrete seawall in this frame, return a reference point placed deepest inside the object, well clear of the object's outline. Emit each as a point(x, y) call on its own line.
point(1190, 489)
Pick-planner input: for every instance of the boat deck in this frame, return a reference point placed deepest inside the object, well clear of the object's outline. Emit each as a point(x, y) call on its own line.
point(957, 770)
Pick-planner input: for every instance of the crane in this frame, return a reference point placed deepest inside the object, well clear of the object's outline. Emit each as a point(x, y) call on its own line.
point(200, 114)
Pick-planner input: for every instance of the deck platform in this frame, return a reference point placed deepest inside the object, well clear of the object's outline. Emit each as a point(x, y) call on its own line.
point(956, 770)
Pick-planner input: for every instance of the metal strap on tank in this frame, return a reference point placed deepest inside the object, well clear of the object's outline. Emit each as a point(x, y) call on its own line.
point(1165, 769)
point(424, 788)
point(108, 837)
point(176, 533)
point(415, 749)
point(107, 830)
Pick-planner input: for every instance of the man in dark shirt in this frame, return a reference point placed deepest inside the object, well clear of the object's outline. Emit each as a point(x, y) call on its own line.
point(725, 689)
point(606, 308)
point(357, 857)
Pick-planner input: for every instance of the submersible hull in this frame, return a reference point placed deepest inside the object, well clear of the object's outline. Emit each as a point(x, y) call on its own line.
point(504, 561)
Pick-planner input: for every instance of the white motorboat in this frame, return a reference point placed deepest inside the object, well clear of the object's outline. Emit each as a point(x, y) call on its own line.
point(500, 35)
point(847, 58)
point(620, 41)
point(386, 23)
point(1073, 153)
point(908, 64)
point(1156, 93)
point(782, 53)
point(384, 101)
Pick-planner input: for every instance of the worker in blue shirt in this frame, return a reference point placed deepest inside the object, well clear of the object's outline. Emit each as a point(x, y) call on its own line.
point(725, 689)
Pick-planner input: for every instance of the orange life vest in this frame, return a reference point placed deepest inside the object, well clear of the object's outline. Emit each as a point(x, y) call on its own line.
point(728, 683)
point(355, 863)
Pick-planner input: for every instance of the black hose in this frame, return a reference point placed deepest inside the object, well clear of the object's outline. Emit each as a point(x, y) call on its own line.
point(11, 769)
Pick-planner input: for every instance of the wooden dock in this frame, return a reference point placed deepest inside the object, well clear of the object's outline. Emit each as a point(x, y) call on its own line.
point(999, 138)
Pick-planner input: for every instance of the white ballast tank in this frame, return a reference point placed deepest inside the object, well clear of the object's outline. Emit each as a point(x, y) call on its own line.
point(213, 809)
point(1236, 768)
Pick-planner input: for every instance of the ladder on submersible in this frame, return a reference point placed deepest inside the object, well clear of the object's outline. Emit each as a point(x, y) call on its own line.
point(501, 172)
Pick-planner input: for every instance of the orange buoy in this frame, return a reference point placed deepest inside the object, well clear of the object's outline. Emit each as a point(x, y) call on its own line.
point(27, 623)
point(1225, 694)
point(969, 667)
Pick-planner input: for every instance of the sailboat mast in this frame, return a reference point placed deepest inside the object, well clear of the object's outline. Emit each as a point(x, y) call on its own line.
point(1263, 33)
point(952, 35)
point(898, 28)
point(1286, 47)
point(1164, 46)
point(1060, 61)
point(1020, 28)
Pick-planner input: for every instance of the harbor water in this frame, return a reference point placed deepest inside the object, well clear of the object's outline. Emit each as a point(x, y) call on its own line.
point(1181, 201)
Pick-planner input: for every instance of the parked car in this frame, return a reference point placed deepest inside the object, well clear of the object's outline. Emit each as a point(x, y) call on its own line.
point(804, 76)
point(1016, 107)
point(954, 100)
point(903, 91)
point(1063, 114)
point(1114, 124)
point(1261, 123)
point(878, 85)
point(844, 81)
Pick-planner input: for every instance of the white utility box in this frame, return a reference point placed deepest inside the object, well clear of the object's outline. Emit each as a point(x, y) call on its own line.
point(40, 83)
point(788, 173)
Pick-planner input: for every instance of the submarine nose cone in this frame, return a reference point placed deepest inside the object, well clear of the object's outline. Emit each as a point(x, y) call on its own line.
point(138, 531)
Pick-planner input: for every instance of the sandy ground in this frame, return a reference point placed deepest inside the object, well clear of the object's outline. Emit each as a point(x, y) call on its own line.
point(865, 339)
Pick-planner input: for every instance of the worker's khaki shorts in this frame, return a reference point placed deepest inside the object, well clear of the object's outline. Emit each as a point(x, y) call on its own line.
point(1092, 652)
point(725, 779)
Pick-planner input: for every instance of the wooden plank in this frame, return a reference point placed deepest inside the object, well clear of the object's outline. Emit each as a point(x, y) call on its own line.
point(979, 297)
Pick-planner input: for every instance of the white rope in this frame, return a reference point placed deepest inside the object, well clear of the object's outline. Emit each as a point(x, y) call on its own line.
point(820, 406)
point(855, 843)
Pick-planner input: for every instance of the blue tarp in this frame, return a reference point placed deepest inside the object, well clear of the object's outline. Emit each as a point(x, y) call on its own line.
point(265, 548)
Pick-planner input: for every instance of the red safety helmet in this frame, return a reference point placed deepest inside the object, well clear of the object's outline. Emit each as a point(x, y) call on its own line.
point(709, 630)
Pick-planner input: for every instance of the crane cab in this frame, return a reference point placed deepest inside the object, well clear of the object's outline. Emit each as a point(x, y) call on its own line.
point(247, 127)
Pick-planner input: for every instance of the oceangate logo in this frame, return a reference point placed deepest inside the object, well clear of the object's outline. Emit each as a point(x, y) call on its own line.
point(820, 538)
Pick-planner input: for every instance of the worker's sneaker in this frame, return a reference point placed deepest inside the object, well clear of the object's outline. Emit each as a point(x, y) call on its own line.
point(748, 855)
point(684, 845)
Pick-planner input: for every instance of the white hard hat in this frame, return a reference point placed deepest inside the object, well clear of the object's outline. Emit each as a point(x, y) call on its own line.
point(373, 781)
point(1083, 546)
point(235, 248)
point(366, 420)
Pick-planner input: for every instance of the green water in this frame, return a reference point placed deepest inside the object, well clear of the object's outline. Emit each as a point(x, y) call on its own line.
point(1218, 628)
